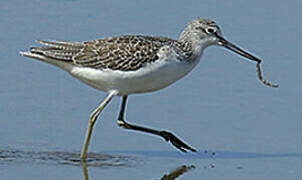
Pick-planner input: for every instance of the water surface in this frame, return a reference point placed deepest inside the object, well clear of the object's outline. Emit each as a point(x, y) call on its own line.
point(242, 129)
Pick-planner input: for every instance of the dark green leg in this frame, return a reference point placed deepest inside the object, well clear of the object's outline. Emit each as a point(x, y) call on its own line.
point(164, 134)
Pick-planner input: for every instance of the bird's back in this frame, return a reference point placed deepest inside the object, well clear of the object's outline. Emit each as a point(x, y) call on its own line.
point(125, 53)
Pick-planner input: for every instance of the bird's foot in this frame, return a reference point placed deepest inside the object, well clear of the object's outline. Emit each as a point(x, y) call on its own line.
point(176, 141)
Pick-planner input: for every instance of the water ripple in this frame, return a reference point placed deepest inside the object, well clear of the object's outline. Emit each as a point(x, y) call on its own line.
point(66, 158)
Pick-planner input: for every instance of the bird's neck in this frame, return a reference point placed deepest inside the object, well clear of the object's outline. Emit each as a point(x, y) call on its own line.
point(195, 46)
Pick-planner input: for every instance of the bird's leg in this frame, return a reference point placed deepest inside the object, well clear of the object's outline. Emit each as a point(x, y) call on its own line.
point(92, 120)
point(164, 134)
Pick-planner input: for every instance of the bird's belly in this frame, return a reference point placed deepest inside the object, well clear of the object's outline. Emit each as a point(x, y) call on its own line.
point(150, 78)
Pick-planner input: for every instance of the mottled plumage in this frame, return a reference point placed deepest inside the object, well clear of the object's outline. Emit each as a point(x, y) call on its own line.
point(125, 53)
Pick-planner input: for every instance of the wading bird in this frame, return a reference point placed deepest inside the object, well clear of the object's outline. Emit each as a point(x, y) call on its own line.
point(130, 64)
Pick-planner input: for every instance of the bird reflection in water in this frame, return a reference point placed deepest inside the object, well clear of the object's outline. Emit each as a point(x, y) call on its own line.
point(93, 160)
point(177, 172)
point(170, 176)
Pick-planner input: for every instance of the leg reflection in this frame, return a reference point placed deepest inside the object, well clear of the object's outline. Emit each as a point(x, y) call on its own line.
point(177, 172)
point(85, 170)
point(171, 176)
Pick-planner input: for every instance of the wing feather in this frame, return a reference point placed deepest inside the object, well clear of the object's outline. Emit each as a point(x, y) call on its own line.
point(126, 53)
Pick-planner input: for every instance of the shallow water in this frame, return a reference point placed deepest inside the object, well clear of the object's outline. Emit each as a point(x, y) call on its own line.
point(242, 129)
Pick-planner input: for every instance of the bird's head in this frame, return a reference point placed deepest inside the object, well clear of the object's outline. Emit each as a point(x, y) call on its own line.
point(201, 33)
point(205, 32)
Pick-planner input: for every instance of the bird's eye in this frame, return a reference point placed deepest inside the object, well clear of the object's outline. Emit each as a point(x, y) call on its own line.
point(210, 30)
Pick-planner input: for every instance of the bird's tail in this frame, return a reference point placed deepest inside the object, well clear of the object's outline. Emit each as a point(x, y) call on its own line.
point(59, 53)
point(59, 50)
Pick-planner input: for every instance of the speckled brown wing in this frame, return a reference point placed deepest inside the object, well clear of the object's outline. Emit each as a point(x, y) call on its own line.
point(125, 53)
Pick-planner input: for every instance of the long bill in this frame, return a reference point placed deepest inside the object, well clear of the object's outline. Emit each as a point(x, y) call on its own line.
point(234, 48)
point(225, 43)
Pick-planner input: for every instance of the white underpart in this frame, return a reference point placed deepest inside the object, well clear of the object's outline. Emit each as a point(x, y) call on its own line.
point(154, 76)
